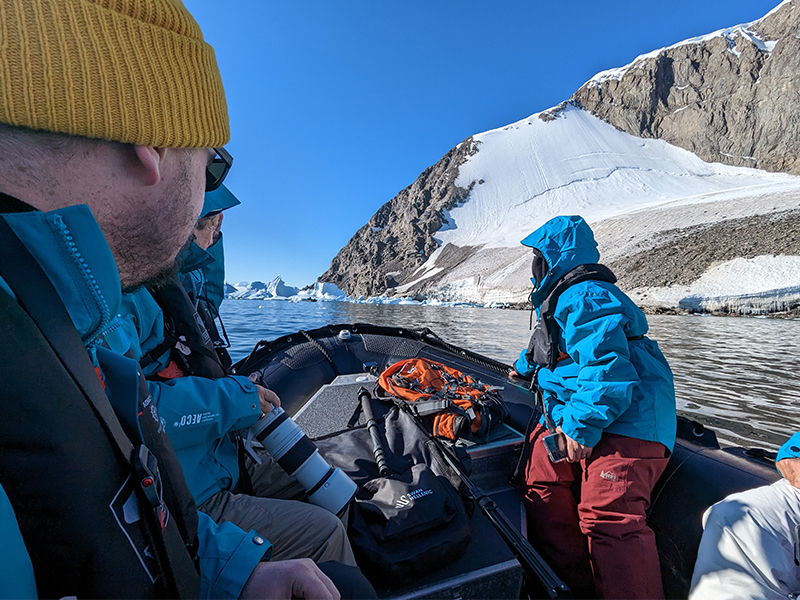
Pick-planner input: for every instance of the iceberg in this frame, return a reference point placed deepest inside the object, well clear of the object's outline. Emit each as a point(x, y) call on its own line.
point(320, 291)
point(258, 290)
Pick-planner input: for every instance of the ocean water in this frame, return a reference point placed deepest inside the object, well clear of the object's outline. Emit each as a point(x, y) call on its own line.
point(737, 375)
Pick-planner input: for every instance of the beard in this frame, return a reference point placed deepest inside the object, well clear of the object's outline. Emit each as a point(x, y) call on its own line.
point(148, 236)
point(167, 273)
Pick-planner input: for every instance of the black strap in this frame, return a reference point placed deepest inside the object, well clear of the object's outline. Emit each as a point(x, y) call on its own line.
point(594, 272)
point(9, 204)
point(159, 351)
point(355, 417)
point(40, 300)
point(543, 347)
point(182, 322)
point(37, 296)
point(245, 483)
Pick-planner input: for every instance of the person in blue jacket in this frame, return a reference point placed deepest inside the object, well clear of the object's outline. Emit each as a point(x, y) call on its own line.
point(102, 182)
point(609, 399)
point(66, 242)
point(751, 540)
point(203, 413)
point(209, 277)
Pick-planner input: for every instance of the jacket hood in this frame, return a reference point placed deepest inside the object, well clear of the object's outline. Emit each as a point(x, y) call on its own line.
point(193, 257)
point(565, 242)
point(215, 274)
point(218, 200)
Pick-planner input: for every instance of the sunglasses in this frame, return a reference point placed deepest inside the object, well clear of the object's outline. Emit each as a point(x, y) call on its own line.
point(218, 169)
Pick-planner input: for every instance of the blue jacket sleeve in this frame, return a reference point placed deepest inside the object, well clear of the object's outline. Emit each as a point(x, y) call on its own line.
point(199, 411)
point(16, 570)
point(227, 557)
point(522, 366)
point(791, 449)
point(592, 324)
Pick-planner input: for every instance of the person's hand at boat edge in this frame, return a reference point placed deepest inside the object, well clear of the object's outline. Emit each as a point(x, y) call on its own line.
point(266, 396)
point(575, 450)
point(514, 374)
point(297, 578)
point(790, 469)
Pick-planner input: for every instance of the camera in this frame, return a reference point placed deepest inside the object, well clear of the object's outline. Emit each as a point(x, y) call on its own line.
point(291, 448)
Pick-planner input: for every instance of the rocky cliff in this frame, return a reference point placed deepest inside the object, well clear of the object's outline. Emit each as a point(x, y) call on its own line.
point(731, 97)
point(399, 237)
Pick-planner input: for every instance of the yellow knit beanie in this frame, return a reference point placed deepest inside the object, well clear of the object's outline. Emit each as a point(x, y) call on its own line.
point(132, 71)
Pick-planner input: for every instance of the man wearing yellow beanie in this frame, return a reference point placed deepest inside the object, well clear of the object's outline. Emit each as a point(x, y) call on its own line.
point(110, 111)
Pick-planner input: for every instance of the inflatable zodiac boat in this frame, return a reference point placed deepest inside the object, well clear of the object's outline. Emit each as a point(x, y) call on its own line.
point(319, 374)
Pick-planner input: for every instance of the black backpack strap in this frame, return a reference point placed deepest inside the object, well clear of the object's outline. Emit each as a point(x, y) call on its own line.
point(543, 347)
point(594, 272)
point(182, 322)
point(220, 345)
point(159, 351)
point(39, 299)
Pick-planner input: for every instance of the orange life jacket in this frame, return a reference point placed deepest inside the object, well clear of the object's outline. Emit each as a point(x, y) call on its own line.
point(459, 404)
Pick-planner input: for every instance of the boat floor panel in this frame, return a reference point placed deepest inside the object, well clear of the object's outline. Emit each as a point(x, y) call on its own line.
point(330, 409)
point(488, 569)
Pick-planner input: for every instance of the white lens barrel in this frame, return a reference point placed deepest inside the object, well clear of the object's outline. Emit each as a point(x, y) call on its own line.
point(335, 492)
point(278, 433)
point(327, 487)
point(312, 471)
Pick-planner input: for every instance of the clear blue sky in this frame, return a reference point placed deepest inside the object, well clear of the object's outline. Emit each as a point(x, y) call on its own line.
point(338, 105)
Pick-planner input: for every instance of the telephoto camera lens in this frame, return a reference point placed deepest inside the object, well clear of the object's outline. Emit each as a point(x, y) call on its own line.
point(326, 486)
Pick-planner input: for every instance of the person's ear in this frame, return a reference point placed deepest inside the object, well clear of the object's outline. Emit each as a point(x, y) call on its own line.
point(152, 162)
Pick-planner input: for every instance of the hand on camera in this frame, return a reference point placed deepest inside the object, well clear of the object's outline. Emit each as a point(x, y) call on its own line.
point(266, 397)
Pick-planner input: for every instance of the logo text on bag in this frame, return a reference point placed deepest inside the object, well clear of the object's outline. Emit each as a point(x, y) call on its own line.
point(407, 499)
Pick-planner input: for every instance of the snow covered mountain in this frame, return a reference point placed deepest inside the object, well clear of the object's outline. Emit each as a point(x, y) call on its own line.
point(677, 231)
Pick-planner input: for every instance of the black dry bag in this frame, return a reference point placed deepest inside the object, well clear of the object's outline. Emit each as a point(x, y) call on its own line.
point(405, 526)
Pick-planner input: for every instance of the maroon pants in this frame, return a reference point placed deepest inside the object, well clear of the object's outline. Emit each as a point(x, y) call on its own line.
point(588, 518)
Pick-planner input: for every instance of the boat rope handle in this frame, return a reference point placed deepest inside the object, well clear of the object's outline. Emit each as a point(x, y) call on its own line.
point(319, 347)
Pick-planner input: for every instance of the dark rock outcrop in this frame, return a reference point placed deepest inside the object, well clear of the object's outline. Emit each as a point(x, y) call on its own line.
point(680, 256)
point(399, 237)
point(728, 99)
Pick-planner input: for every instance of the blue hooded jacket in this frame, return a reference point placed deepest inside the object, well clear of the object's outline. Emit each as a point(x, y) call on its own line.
point(608, 382)
point(210, 276)
point(72, 251)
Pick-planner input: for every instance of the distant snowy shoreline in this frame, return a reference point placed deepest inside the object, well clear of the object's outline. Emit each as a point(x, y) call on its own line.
point(742, 287)
point(277, 290)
